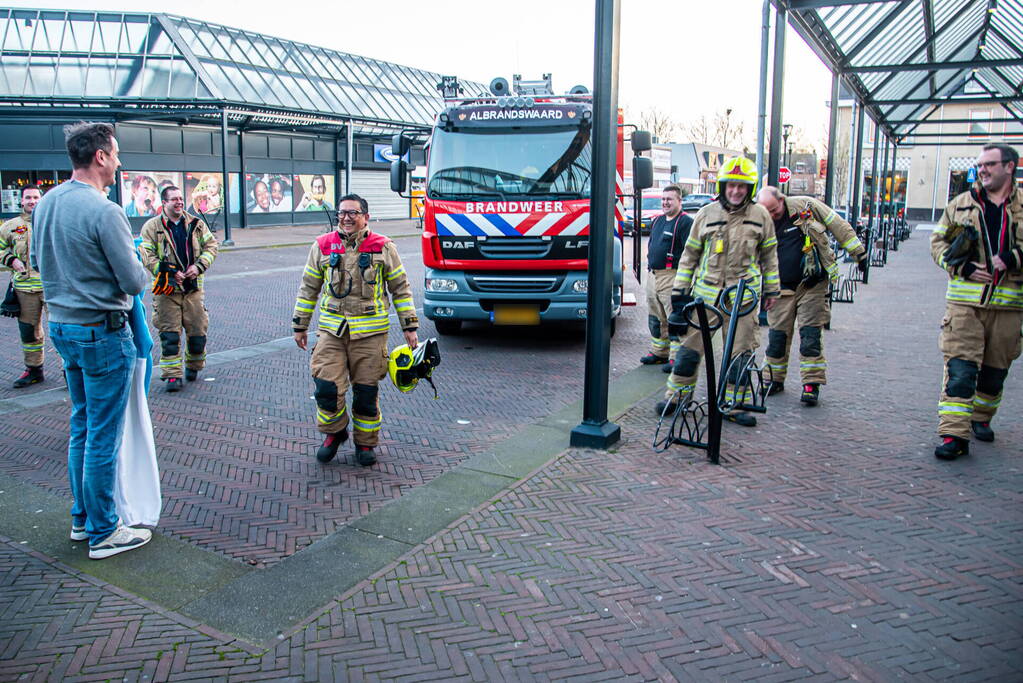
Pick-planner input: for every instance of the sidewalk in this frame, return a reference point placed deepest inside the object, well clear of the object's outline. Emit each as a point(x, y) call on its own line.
point(301, 235)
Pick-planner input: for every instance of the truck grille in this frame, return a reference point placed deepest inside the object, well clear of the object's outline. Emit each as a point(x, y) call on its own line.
point(514, 247)
point(514, 283)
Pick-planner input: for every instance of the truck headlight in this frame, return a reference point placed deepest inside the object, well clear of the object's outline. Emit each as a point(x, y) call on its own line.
point(441, 285)
point(581, 286)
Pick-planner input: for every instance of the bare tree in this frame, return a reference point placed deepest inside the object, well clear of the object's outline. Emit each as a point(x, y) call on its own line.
point(699, 130)
point(728, 132)
point(661, 125)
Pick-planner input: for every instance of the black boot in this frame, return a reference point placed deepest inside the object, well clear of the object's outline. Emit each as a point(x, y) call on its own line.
point(173, 384)
point(983, 431)
point(29, 377)
point(365, 456)
point(742, 419)
point(951, 448)
point(811, 394)
point(775, 388)
point(668, 368)
point(191, 375)
point(332, 442)
point(651, 359)
point(659, 409)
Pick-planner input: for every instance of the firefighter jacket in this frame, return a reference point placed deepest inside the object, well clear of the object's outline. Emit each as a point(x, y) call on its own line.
point(726, 246)
point(1006, 291)
point(350, 276)
point(157, 246)
point(15, 240)
point(816, 219)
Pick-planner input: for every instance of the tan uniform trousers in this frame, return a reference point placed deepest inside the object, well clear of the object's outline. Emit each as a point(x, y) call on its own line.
point(810, 310)
point(658, 301)
point(30, 327)
point(687, 363)
point(171, 312)
point(979, 345)
point(340, 362)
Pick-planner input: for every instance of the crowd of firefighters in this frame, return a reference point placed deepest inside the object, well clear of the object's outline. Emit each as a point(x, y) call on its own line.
point(784, 247)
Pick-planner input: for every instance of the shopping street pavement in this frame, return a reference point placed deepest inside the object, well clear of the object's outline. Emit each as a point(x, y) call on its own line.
point(829, 545)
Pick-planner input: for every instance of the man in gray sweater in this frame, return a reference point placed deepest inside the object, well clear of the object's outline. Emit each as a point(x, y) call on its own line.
point(83, 250)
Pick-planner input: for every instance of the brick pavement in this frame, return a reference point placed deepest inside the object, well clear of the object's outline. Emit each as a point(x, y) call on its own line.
point(832, 546)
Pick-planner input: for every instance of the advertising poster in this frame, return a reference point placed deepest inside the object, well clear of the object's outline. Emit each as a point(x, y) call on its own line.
point(235, 203)
point(314, 192)
point(267, 193)
point(204, 192)
point(140, 191)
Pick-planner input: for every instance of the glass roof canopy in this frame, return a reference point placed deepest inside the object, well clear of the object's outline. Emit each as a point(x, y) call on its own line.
point(903, 59)
point(161, 65)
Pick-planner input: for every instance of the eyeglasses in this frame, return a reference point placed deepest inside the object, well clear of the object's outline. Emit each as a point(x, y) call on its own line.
point(350, 213)
point(991, 164)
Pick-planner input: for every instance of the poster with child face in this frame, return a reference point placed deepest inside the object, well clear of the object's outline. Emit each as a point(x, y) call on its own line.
point(267, 193)
point(204, 192)
point(140, 191)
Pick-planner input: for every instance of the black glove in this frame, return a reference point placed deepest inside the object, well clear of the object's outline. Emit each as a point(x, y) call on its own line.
point(164, 282)
point(11, 307)
point(861, 265)
point(677, 325)
point(963, 247)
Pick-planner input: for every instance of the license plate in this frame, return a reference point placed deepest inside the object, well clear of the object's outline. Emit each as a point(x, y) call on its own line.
point(516, 315)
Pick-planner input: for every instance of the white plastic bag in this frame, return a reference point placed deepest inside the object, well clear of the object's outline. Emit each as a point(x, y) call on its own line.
point(137, 488)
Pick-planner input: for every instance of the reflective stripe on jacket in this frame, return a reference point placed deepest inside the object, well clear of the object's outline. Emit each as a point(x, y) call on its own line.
point(158, 245)
point(15, 242)
point(816, 219)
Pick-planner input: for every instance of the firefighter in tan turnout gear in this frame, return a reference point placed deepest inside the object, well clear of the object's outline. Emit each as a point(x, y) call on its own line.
point(15, 241)
point(806, 266)
point(731, 239)
point(979, 242)
point(178, 249)
point(350, 272)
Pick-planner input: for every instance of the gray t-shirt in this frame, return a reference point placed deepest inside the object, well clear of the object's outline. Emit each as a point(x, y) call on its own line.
point(84, 252)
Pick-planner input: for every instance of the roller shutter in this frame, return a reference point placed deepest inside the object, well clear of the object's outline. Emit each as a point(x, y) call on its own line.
point(375, 188)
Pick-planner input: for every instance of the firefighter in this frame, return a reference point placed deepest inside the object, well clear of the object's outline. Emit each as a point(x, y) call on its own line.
point(979, 243)
point(806, 266)
point(350, 271)
point(668, 236)
point(15, 241)
point(178, 249)
point(731, 239)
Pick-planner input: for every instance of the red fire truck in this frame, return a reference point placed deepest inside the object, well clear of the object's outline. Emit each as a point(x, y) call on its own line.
point(506, 220)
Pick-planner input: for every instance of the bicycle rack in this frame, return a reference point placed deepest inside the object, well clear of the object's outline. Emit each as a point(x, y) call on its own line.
point(697, 424)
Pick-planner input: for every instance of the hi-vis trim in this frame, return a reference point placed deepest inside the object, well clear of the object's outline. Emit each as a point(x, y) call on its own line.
point(513, 224)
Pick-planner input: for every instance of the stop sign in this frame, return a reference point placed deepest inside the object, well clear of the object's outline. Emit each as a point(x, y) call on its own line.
point(784, 175)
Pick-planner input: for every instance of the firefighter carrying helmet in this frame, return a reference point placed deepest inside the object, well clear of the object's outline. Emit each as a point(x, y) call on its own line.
point(738, 170)
point(407, 366)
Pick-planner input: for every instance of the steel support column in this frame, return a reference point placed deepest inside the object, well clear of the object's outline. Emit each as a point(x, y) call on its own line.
point(228, 242)
point(873, 178)
point(855, 178)
point(765, 44)
point(349, 156)
point(243, 215)
point(596, 431)
point(883, 186)
point(777, 83)
point(829, 182)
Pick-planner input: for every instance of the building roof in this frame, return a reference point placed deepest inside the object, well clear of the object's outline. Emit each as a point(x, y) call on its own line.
point(902, 59)
point(57, 60)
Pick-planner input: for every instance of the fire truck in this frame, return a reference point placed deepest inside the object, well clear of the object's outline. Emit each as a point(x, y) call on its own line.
point(506, 215)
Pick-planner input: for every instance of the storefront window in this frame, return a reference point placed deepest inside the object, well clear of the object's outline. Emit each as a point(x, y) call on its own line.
point(11, 183)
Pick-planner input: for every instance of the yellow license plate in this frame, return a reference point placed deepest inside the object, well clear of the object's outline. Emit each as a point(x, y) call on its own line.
point(516, 315)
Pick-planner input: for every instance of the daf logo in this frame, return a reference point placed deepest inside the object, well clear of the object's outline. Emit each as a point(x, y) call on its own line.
point(456, 244)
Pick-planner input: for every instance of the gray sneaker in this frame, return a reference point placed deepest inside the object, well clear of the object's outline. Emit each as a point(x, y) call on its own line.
point(123, 539)
point(78, 533)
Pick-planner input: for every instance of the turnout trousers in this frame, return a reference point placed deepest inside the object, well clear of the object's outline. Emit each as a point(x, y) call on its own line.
point(30, 327)
point(979, 345)
point(687, 362)
point(342, 362)
point(808, 309)
point(658, 300)
point(171, 313)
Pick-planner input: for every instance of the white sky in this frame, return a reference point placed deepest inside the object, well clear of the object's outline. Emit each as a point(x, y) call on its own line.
point(685, 57)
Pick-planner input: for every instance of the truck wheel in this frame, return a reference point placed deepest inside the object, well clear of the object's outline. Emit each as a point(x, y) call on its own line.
point(614, 326)
point(448, 326)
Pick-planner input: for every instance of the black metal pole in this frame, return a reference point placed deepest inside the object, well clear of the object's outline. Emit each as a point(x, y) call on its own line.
point(774, 153)
point(242, 215)
point(857, 176)
point(228, 242)
point(595, 431)
point(873, 178)
point(829, 182)
point(883, 212)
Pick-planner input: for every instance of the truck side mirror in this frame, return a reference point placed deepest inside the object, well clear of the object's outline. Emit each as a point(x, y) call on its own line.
point(642, 173)
point(640, 141)
point(400, 145)
point(399, 176)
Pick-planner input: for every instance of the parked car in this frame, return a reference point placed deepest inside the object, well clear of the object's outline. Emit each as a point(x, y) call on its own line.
point(692, 203)
point(651, 210)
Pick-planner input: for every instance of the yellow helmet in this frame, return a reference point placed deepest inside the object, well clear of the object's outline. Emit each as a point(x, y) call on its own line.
point(407, 366)
point(738, 170)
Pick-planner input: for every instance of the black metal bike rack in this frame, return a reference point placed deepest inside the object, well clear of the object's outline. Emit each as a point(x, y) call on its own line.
point(698, 424)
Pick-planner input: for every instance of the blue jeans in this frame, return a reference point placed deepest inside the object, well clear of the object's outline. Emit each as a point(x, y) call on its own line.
point(99, 365)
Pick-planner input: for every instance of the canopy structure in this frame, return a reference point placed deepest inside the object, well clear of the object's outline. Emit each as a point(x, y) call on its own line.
point(137, 65)
point(902, 59)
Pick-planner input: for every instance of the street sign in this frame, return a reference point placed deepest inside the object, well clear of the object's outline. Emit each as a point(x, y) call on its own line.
point(971, 175)
point(784, 175)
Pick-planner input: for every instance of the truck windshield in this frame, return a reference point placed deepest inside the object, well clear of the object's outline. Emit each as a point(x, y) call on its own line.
point(466, 164)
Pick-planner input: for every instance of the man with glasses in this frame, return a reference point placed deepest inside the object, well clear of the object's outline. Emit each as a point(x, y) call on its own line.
point(178, 248)
point(979, 242)
point(668, 236)
point(350, 272)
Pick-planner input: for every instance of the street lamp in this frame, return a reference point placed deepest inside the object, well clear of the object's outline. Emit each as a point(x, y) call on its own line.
point(786, 130)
